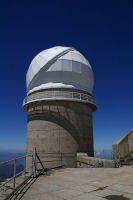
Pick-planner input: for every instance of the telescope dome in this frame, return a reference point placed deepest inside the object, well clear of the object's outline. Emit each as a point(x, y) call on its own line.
point(59, 67)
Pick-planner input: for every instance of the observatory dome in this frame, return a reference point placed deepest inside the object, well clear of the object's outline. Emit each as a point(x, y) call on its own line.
point(59, 67)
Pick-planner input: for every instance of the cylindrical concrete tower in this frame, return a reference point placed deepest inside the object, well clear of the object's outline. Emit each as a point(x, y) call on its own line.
point(59, 104)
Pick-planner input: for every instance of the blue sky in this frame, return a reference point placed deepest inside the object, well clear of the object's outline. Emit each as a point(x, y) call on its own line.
point(101, 30)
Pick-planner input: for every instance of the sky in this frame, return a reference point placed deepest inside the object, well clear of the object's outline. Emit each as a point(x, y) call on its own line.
point(101, 30)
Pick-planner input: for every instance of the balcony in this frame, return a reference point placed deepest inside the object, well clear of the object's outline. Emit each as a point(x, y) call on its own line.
point(60, 96)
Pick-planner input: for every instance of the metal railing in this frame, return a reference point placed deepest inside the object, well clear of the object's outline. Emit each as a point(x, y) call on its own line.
point(33, 169)
point(15, 174)
point(33, 172)
point(59, 95)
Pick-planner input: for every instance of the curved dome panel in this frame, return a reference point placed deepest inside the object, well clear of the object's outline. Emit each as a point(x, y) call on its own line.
point(42, 60)
point(59, 67)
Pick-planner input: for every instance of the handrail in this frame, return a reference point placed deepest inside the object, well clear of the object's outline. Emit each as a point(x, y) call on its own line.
point(59, 95)
point(34, 171)
point(2, 163)
point(15, 174)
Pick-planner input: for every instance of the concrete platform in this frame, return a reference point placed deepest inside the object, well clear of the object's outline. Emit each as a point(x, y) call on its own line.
point(83, 184)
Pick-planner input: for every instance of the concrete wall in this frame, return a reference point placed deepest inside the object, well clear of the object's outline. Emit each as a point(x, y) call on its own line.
point(88, 162)
point(59, 130)
point(123, 148)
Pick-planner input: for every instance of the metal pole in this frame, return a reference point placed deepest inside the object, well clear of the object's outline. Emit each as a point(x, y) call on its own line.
point(25, 169)
point(34, 162)
point(111, 155)
point(40, 161)
point(72, 95)
point(14, 174)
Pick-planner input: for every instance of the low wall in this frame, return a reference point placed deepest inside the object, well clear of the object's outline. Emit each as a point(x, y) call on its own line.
point(85, 161)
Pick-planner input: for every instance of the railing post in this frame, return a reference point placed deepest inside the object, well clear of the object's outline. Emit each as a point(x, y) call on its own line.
point(34, 162)
point(72, 95)
point(14, 180)
point(25, 168)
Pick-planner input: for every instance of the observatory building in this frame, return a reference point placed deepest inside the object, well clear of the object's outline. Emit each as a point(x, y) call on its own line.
point(59, 104)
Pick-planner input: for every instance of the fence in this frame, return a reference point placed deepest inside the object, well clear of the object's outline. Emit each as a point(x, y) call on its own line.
point(25, 174)
point(59, 95)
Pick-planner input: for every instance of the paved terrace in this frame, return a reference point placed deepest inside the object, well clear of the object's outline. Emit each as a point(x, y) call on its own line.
point(83, 184)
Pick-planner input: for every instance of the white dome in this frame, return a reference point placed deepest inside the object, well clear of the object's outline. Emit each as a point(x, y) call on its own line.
point(59, 67)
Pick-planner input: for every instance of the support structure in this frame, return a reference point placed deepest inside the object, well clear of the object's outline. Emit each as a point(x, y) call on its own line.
point(59, 105)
